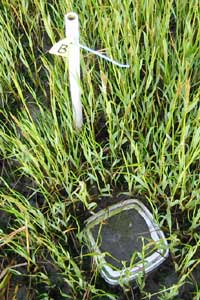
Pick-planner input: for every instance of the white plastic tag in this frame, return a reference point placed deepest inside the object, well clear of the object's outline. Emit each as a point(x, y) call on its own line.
point(61, 47)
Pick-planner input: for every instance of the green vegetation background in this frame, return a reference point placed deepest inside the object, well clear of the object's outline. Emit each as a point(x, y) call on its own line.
point(141, 136)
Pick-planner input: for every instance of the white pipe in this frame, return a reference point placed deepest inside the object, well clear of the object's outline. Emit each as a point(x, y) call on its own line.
point(72, 34)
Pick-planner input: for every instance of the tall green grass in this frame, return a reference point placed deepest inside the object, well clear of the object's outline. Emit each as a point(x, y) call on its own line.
point(140, 136)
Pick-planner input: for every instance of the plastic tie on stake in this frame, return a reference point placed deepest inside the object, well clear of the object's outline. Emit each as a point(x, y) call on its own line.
point(61, 48)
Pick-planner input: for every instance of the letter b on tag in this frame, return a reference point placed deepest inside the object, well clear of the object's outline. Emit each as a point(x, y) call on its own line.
point(63, 49)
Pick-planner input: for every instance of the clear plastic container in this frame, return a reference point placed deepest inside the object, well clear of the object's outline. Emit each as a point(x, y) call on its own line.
point(126, 241)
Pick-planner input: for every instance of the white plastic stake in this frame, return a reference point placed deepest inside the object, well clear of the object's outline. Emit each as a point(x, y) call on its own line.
point(69, 47)
point(72, 34)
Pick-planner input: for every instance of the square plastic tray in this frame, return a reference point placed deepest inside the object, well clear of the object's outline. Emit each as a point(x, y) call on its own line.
point(126, 241)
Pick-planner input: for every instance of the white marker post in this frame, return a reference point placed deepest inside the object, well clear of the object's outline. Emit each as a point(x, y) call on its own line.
point(69, 47)
point(72, 34)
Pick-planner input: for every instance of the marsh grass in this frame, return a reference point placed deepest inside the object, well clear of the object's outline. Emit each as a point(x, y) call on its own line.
point(141, 136)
